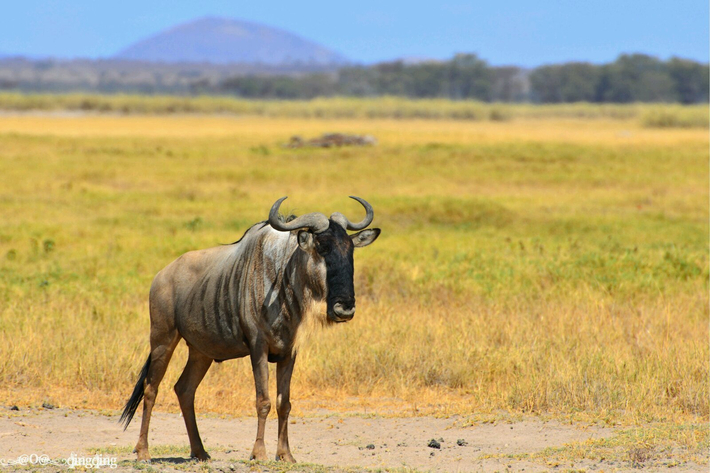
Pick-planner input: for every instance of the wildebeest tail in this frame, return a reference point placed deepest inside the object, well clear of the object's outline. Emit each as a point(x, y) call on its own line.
point(135, 400)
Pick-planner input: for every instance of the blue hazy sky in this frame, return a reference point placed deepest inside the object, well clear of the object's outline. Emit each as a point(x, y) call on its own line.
point(526, 33)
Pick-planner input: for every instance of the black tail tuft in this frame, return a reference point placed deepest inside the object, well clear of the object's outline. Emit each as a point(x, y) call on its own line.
point(135, 400)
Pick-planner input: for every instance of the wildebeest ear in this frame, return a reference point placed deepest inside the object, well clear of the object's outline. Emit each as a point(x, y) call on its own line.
point(365, 237)
point(305, 240)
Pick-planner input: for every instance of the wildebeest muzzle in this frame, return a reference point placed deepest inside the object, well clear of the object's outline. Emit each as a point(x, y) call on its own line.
point(343, 310)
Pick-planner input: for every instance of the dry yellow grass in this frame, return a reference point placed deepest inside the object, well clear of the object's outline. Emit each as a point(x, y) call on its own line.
point(255, 130)
point(555, 267)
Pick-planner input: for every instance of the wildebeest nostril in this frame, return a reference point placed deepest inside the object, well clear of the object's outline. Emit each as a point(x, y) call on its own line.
point(344, 310)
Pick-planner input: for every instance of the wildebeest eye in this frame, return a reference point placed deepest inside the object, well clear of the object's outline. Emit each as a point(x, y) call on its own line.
point(323, 248)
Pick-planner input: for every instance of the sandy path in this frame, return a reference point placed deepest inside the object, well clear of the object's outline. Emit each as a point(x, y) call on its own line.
point(327, 440)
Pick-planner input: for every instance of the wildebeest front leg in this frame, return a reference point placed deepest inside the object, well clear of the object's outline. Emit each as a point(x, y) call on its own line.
point(260, 367)
point(284, 369)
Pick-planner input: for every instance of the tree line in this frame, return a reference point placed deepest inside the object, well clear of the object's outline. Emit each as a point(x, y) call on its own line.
point(631, 78)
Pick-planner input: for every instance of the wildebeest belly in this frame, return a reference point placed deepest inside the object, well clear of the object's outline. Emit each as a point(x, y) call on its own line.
point(210, 341)
point(228, 344)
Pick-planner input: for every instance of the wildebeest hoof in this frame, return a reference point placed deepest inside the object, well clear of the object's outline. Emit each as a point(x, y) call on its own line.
point(202, 456)
point(258, 454)
point(285, 457)
point(143, 456)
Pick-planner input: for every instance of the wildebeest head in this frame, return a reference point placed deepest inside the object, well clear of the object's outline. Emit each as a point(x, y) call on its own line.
point(330, 248)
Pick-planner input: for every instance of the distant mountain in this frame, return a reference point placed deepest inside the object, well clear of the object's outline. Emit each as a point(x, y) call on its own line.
point(227, 41)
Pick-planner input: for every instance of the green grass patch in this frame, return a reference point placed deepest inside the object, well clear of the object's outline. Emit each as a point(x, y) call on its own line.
point(652, 115)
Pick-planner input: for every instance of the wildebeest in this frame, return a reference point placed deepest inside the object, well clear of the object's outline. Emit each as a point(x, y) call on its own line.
point(248, 298)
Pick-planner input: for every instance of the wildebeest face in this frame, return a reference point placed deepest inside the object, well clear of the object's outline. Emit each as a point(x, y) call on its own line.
point(333, 248)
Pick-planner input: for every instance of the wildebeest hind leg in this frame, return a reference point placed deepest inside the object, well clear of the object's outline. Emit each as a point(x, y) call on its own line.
point(161, 351)
point(195, 370)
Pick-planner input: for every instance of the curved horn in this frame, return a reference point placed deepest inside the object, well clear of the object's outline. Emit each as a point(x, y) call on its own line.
point(340, 218)
point(315, 221)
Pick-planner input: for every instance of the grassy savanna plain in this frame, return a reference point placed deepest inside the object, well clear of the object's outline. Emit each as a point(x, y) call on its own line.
point(542, 265)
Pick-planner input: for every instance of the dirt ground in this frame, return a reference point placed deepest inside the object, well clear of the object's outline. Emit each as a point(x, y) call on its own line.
point(325, 442)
